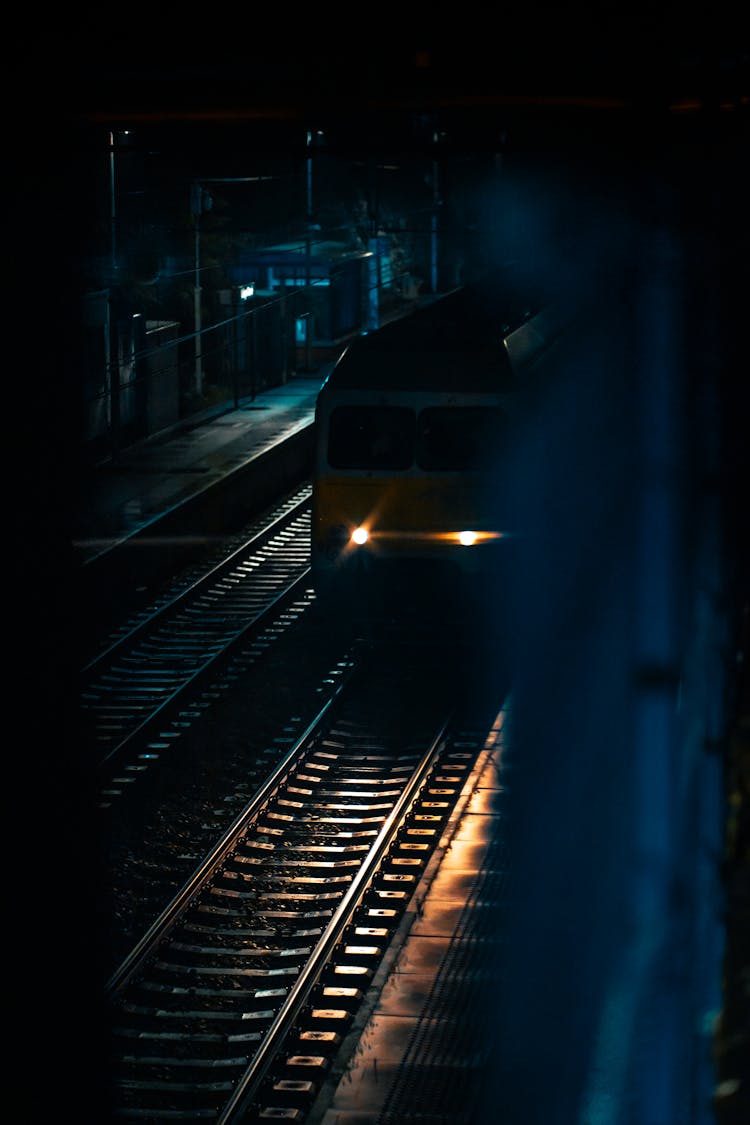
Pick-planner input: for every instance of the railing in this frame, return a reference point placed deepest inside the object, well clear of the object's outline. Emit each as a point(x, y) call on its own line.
point(153, 382)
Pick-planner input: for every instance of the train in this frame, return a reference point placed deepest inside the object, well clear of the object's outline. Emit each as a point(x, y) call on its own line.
point(414, 427)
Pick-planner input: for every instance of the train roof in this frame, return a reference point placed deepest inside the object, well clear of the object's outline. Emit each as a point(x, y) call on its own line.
point(471, 339)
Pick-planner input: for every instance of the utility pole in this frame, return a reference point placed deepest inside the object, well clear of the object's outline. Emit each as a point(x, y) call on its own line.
point(434, 260)
point(308, 254)
point(197, 309)
point(199, 203)
point(373, 243)
point(196, 207)
point(112, 216)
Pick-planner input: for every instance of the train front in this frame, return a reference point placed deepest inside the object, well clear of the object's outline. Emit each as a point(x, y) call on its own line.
point(409, 507)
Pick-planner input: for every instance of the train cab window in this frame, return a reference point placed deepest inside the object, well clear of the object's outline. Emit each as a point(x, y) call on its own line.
point(460, 437)
point(371, 437)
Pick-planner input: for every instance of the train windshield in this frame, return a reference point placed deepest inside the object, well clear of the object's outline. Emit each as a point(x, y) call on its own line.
point(371, 437)
point(465, 437)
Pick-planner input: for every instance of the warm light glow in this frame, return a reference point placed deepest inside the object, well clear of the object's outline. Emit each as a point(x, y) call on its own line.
point(440, 536)
point(495, 730)
point(367, 533)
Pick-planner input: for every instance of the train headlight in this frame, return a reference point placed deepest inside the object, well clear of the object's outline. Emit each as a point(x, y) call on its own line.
point(360, 535)
point(467, 538)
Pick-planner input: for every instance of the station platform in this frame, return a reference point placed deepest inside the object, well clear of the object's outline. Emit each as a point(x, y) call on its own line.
point(124, 496)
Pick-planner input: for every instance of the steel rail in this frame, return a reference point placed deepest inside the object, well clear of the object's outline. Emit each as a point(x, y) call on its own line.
point(248, 1085)
point(208, 665)
point(254, 542)
point(124, 973)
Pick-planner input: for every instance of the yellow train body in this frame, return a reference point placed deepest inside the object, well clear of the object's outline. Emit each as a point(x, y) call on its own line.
point(413, 431)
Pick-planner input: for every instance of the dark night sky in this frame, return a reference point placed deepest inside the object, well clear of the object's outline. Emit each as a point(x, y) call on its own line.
point(179, 55)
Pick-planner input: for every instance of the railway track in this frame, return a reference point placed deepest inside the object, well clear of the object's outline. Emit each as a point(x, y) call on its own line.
point(148, 679)
point(233, 1005)
point(226, 1001)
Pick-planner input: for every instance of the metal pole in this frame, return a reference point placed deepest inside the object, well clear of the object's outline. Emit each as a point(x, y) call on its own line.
point(308, 268)
point(235, 349)
point(112, 198)
point(434, 265)
point(197, 308)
